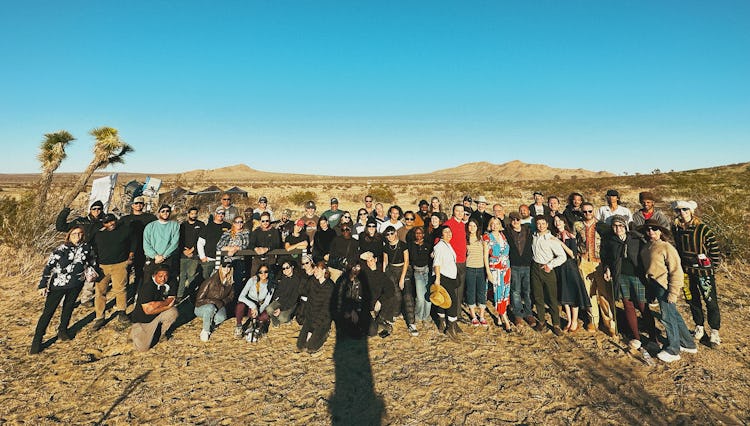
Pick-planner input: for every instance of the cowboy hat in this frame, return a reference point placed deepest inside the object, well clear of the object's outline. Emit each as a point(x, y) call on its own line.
point(651, 223)
point(439, 296)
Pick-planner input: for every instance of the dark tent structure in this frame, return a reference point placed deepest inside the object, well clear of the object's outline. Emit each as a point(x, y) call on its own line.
point(236, 192)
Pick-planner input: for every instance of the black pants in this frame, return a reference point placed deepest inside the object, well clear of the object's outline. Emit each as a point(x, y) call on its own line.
point(50, 305)
point(544, 288)
point(403, 300)
point(704, 288)
point(451, 286)
point(461, 285)
point(316, 340)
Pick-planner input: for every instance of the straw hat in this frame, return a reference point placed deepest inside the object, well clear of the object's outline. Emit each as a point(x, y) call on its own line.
point(439, 296)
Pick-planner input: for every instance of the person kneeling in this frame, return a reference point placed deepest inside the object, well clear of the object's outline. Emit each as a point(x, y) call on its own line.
point(213, 296)
point(154, 311)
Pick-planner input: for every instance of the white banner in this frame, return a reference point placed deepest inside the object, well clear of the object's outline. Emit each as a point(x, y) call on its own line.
point(101, 190)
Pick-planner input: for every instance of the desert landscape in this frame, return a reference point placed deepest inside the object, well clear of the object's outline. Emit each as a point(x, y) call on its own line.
point(489, 377)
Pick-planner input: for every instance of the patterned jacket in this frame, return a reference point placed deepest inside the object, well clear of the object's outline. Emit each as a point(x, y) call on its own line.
point(66, 266)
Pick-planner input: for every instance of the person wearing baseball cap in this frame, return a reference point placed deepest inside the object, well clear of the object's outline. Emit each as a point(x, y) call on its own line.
point(310, 219)
point(262, 208)
point(333, 215)
point(613, 207)
point(700, 256)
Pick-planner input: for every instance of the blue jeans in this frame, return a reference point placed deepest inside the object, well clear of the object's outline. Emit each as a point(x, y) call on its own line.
point(520, 291)
point(677, 332)
point(188, 272)
point(210, 315)
point(421, 281)
point(476, 286)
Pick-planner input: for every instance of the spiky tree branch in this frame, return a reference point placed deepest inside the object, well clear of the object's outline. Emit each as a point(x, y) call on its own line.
point(51, 155)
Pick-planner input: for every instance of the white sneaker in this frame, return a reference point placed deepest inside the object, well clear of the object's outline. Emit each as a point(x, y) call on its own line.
point(667, 357)
point(689, 350)
point(715, 339)
point(413, 330)
point(635, 344)
point(699, 332)
point(205, 335)
point(238, 331)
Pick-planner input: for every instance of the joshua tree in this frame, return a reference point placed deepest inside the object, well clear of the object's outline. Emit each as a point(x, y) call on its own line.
point(108, 149)
point(51, 154)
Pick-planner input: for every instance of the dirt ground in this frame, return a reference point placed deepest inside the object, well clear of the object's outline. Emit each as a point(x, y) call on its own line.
point(490, 377)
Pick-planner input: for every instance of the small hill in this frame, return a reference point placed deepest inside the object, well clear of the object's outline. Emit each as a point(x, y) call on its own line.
point(512, 170)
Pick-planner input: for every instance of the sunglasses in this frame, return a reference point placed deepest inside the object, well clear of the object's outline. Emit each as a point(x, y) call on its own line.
point(139, 202)
point(390, 234)
point(347, 217)
point(221, 213)
point(239, 222)
point(262, 272)
point(587, 211)
point(286, 267)
point(165, 211)
point(363, 214)
point(682, 209)
point(515, 220)
point(346, 230)
point(226, 199)
point(652, 229)
point(96, 208)
point(408, 218)
point(368, 201)
point(371, 226)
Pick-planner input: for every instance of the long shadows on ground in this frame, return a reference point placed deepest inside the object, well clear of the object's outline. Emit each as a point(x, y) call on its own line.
point(354, 400)
point(125, 393)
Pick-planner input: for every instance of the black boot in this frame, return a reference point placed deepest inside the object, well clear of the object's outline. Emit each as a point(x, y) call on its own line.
point(452, 330)
point(63, 335)
point(36, 347)
point(441, 324)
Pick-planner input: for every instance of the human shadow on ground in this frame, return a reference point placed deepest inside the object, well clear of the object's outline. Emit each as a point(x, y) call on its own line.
point(354, 400)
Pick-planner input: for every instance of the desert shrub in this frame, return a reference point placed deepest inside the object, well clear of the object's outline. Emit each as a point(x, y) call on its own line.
point(299, 198)
point(23, 225)
point(382, 194)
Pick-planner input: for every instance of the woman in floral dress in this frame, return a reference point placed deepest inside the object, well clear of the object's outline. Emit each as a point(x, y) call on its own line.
point(498, 268)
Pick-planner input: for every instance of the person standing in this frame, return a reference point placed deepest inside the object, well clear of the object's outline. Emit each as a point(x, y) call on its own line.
point(458, 242)
point(445, 273)
point(499, 270)
point(700, 256)
point(380, 298)
point(573, 294)
point(613, 207)
point(207, 240)
point(69, 265)
point(238, 238)
point(396, 266)
point(230, 211)
point(588, 234)
point(538, 207)
point(136, 221)
point(190, 231)
point(661, 264)
point(310, 219)
point(263, 240)
point(621, 259)
point(419, 256)
point(520, 240)
point(477, 271)
point(161, 240)
point(422, 216)
point(648, 211)
point(333, 215)
point(547, 255)
point(115, 251)
point(481, 215)
point(573, 211)
point(262, 208)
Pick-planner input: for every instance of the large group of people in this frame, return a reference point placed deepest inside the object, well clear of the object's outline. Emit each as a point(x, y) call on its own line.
point(552, 268)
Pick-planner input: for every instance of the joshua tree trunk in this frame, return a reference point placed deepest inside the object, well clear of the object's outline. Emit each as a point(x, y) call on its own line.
point(108, 149)
point(51, 155)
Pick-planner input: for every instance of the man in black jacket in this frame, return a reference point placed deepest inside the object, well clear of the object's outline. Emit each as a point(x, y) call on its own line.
point(190, 229)
point(115, 250)
point(520, 240)
point(380, 292)
point(136, 221)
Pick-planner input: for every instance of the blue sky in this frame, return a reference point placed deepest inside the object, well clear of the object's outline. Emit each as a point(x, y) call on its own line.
point(382, 87)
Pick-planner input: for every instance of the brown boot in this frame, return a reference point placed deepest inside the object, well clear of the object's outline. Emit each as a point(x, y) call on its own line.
point(451, 330)
point(531, 321)
point(441, 324)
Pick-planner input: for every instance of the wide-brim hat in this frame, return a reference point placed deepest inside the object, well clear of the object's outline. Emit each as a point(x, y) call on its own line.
point(480, 199)
point(683, 204)
point(439, 296)
point(651, 223)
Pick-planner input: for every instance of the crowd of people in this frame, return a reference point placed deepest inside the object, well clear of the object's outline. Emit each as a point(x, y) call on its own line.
point(430, 267)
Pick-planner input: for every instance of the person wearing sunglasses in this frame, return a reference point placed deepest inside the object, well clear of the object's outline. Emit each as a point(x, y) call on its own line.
point(238, 238)
point(209, 238)
point(397, 268)
point(161, 242)
point(212, 298)
point(136, 221)
point(262, 208)
point(345, 221)
point(406, 232)
point(307, 277)
point(285, 296)
point(253, 300)
point(589, 234)
point(360, 224)
point(230, 211)
point(343, 252)
point(700, 256)
point(370, 240)
point(90, 223)
point(663, 271)
point(263, 239)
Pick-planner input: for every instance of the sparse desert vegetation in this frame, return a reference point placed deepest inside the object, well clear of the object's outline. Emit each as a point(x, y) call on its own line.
point(489, 378)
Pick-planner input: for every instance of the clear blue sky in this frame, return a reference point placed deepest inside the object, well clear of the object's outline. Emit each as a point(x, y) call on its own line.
point(380, 87)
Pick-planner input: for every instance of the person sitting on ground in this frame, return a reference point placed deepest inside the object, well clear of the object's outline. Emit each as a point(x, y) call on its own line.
point(213, 296)
point(306, 278)
point(317, 323)
point(343, 252)
point(285, 296)
point(253, 300)
point(62, 280)
point(154, 311)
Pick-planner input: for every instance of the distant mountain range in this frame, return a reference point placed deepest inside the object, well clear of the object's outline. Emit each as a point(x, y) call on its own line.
point(479, 171)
